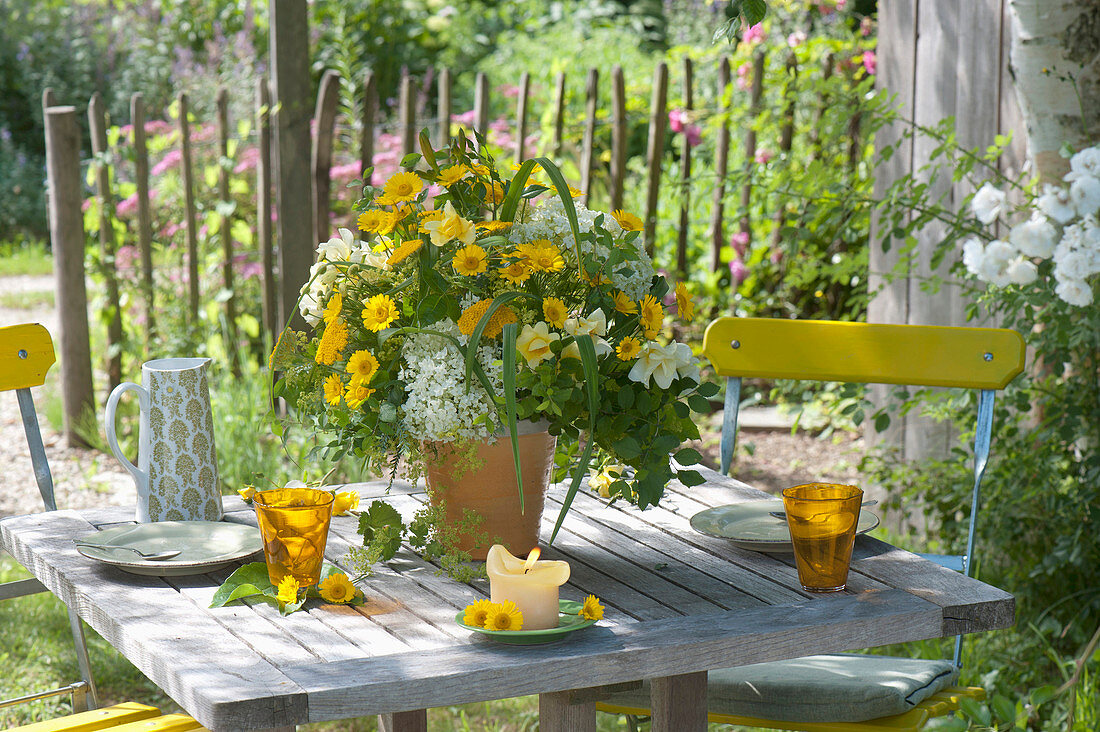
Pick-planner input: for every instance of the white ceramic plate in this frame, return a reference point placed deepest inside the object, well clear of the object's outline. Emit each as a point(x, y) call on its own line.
point(205, 546)
point(750, 525)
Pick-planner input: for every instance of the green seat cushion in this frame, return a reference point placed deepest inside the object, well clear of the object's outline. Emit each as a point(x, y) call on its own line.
point(832, 688)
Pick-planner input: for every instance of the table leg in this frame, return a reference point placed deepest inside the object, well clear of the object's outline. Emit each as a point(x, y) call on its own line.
point(563, 711)
point(679, 703)
point(414, 721)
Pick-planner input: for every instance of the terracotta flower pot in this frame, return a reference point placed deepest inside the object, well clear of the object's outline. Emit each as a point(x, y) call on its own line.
point(487, 485)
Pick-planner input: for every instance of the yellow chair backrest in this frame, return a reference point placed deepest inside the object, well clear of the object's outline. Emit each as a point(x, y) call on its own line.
point(26, 354)
point(917, 355)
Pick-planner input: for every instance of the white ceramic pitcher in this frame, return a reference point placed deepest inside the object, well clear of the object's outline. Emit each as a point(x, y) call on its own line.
point(177, 470)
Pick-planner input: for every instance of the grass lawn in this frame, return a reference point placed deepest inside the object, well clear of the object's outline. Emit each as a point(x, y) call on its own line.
point(25, 258)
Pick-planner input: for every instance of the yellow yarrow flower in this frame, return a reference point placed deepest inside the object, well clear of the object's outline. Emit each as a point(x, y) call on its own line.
point(652, 315)
point(470, 260)
point(404, 251)
point(287, 590)
point(403, 187)
point(471, 316)
point(516, 273)
point(477, 613)
point(373, 220)
point(629, 347)
point(378, 312)
point(628, 221)
point(362, 366)
point(334, 390)
point(555, 312)
point(624, 304)
point(356, 393)
point(449, 176)
point(504, 616)
point(333, 308)
point(337, 588)
point(685, 308)
point(332, 343)
point(591, 609)
point(345, 501)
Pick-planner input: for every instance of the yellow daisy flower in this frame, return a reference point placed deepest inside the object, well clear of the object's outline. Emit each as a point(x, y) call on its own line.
point(516, 273)
point(493, 227)
point(334, 389)
point(378, 312)
point(574, 192)
point(404, 251)
point(246, 493)
point(337, 588)
point(555, 312)
point(527, 251)
point(362, 366)
point(449, 176)
point(547, 259)
point(494, 195)
point(652, 315)
point(594, 280)
point(470, 260)
point(371, 221)
point(288, 590)
point(629, 347)
point(477, 613)
point(624, 304)
point(384, 200)
point(504, 616)
point(403, 186)
point(685, 308)
point(628, 221)
point(592, 609)
point(478, 169)
point(345, 501)
point(332, 342)
point(333, 308)
point(357, 393)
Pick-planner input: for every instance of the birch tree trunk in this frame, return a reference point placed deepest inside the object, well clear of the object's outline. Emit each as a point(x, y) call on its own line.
point(1053, 43)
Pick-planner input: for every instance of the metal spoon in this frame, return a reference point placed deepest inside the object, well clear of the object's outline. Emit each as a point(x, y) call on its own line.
point(147, 556)
point(783, 514)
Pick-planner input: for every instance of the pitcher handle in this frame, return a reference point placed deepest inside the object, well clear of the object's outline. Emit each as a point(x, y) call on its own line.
point(140, 476)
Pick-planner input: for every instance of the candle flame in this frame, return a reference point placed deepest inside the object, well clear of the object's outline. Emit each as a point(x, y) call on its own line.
point(531, 559)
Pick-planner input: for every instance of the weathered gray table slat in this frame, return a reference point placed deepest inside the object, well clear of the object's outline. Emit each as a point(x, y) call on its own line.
point(678, 602)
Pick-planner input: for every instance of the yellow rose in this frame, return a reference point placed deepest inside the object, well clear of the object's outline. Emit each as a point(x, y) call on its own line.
point(534, 343)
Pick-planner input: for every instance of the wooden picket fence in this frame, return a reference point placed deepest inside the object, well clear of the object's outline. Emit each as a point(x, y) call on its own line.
point(64, 164)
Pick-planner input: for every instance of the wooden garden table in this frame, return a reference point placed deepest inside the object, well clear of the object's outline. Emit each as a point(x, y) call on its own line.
point(677, 604)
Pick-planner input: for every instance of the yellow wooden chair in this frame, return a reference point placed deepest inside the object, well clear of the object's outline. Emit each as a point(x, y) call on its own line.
point(26, 354)
point(790, 694)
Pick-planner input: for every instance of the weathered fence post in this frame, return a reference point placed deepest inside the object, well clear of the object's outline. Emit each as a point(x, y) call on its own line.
point(721, 167)
point(226, 228)
point(786, 135)
point(591, 98)
point(321, 155)
point(269, 293)
point(481, 103)
point(521, 115)
point(97, 124)
point(819, 114)
point(559, 112)
point(685, 176)
point(618, 136)
point(443, 108)
point(406, 110)
point(144, 216)
point(750, 138)
point(366, 134)
point(67, 241)
point(189, 211)
point(658, 121)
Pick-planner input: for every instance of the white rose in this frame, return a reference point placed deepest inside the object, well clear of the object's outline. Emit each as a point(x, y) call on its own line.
point(1056, 204)
point(689, 365)
point(1073, 266)
point(1075, 292)
point(594, 323)
point(973, 254)
point(661, 363)
point(1022, 271)
point(1085, 195)
point(1086, 162)
point(1035, 237)
point(994, 265)
point(338, 248)
point(988, 203)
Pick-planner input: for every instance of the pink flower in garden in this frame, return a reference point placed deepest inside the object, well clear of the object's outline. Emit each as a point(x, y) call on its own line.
point(796, 39)
point(738, 271)
point(170, 230)
point(509, 90)
point(763, 156)
point(247, 160)
point(159, 127)
point(776, 256)
point(755, 34)
point(87, 204)
point(249, 270)
point(866, 26)
point(127, 206)
point(170, 160)
point(869, 61)
point(740, 242)
point(126, 131)
point(126, 258)
point(466, 118)
point(349, 171)
point(744, 76)
point(676, 120)
point(694, 135)
point(841, 4)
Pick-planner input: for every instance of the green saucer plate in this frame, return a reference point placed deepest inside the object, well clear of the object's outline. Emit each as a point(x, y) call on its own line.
point(568, 622)
point(750, 525)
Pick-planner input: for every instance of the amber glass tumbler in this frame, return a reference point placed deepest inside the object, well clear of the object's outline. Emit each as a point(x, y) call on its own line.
point(822, 518)
point(294, 528)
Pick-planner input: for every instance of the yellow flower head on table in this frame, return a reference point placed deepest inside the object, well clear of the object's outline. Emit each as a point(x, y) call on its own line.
point(449, 176)
point(345, 501)
point(362, 366)
point(337, 588)
point(451, 227)
point(379, 312)
point(334, 390)
point(504, 616)
point(246, 493)
point(515, 273)
point(624, 304)
point(534, 342)
point(333, 308)
point(591, 609)
point(470, 260)
point(477, 613)
point(403, 187)
point(553, 309)
point(404, 251)
point(628, 349)
point(652, 315)
point(287, 590)
point(685, 308)
point(628, 221)
point(332, 343)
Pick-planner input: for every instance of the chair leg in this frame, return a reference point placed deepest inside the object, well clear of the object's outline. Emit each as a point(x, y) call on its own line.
point(91, 696)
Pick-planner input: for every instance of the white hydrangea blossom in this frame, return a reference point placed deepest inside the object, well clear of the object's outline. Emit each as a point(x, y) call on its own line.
point(547, 220)
point(438, 405)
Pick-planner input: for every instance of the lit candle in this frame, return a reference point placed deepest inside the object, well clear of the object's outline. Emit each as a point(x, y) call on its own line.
point(531, 585)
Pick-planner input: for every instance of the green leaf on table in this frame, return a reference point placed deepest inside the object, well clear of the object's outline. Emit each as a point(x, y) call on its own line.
point(382, 520)
point(248, 581)
point(690, 478)
point(688, 456)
